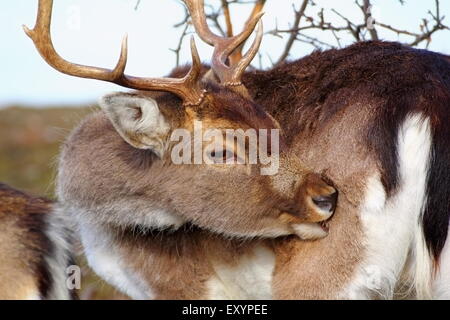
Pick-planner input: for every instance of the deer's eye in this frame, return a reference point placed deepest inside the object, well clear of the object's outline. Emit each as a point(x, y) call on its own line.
point(222, 156)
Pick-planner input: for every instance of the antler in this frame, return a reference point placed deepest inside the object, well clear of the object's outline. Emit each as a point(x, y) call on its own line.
point(187, 88)
point(229, 75)
point(237, 53)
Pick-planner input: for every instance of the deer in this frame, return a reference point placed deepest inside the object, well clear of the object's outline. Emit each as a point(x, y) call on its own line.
point(118, 161)
point(35, 248)
point(380, 111)
point(372, 118)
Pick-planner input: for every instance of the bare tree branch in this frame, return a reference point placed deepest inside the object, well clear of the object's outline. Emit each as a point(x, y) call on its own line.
point(426, 31)
point(360, 31)
point(180, 43)
point(227, 15)
point(366, 8)
point(299, 30)
point(257, 8)
point(298, 15)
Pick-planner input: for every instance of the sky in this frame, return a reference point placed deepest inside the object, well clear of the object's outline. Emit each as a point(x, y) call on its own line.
point(90, 32)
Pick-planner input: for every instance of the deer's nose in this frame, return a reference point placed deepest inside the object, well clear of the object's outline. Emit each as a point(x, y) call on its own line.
point(320, 198)
point(326, 203)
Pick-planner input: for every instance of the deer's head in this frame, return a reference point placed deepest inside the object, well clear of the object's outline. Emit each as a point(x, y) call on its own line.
point(213, 182)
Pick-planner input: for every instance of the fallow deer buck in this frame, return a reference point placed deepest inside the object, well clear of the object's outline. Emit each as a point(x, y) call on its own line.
point(34, 248)
point(376, 118)
point(373, 117)
point(116, 171)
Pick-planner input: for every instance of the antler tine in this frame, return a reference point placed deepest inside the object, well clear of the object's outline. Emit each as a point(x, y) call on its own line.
point(224, 47)
point(198, 17)
point(187, 88)
point(192, 78)
point(235, 73)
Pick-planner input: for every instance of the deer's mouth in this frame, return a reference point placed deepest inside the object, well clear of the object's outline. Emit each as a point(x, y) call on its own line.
point(312, 230)
point(325, 225)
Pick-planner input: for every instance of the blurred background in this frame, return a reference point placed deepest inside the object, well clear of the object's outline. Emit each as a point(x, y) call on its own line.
point(39, 106)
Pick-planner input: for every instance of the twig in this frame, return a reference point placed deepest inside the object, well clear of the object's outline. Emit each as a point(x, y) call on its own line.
point(366, 8)
point(366, 28)
point(293, 36)
point(257, 8)
point(227, 15)
point(426, 33)
point(180, 43)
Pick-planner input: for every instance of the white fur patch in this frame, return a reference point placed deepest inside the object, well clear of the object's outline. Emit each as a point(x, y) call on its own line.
point(58, 232)
point(309, 231)
point(104, 259)
point(391, 225)
point(99, 245)
point(33, 296)
point(118, 213)
point(155, 219)
point(251, 278)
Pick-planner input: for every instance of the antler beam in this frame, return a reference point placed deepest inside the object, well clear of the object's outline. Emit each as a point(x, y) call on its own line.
point(229, 75)
point(187, 88)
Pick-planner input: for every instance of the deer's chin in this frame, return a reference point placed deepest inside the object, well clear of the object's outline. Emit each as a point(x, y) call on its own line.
point(311, 230)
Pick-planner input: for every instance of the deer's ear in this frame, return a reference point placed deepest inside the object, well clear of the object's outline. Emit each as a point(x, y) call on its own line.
point(138, 120)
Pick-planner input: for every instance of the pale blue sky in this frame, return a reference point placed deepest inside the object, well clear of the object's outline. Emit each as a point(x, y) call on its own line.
point(90, 32)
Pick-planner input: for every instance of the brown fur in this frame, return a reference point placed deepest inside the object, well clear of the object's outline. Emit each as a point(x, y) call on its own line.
point(23, 245)
point(95, 147)
point(178, 265)
point(334, 108)
point(367, 88)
